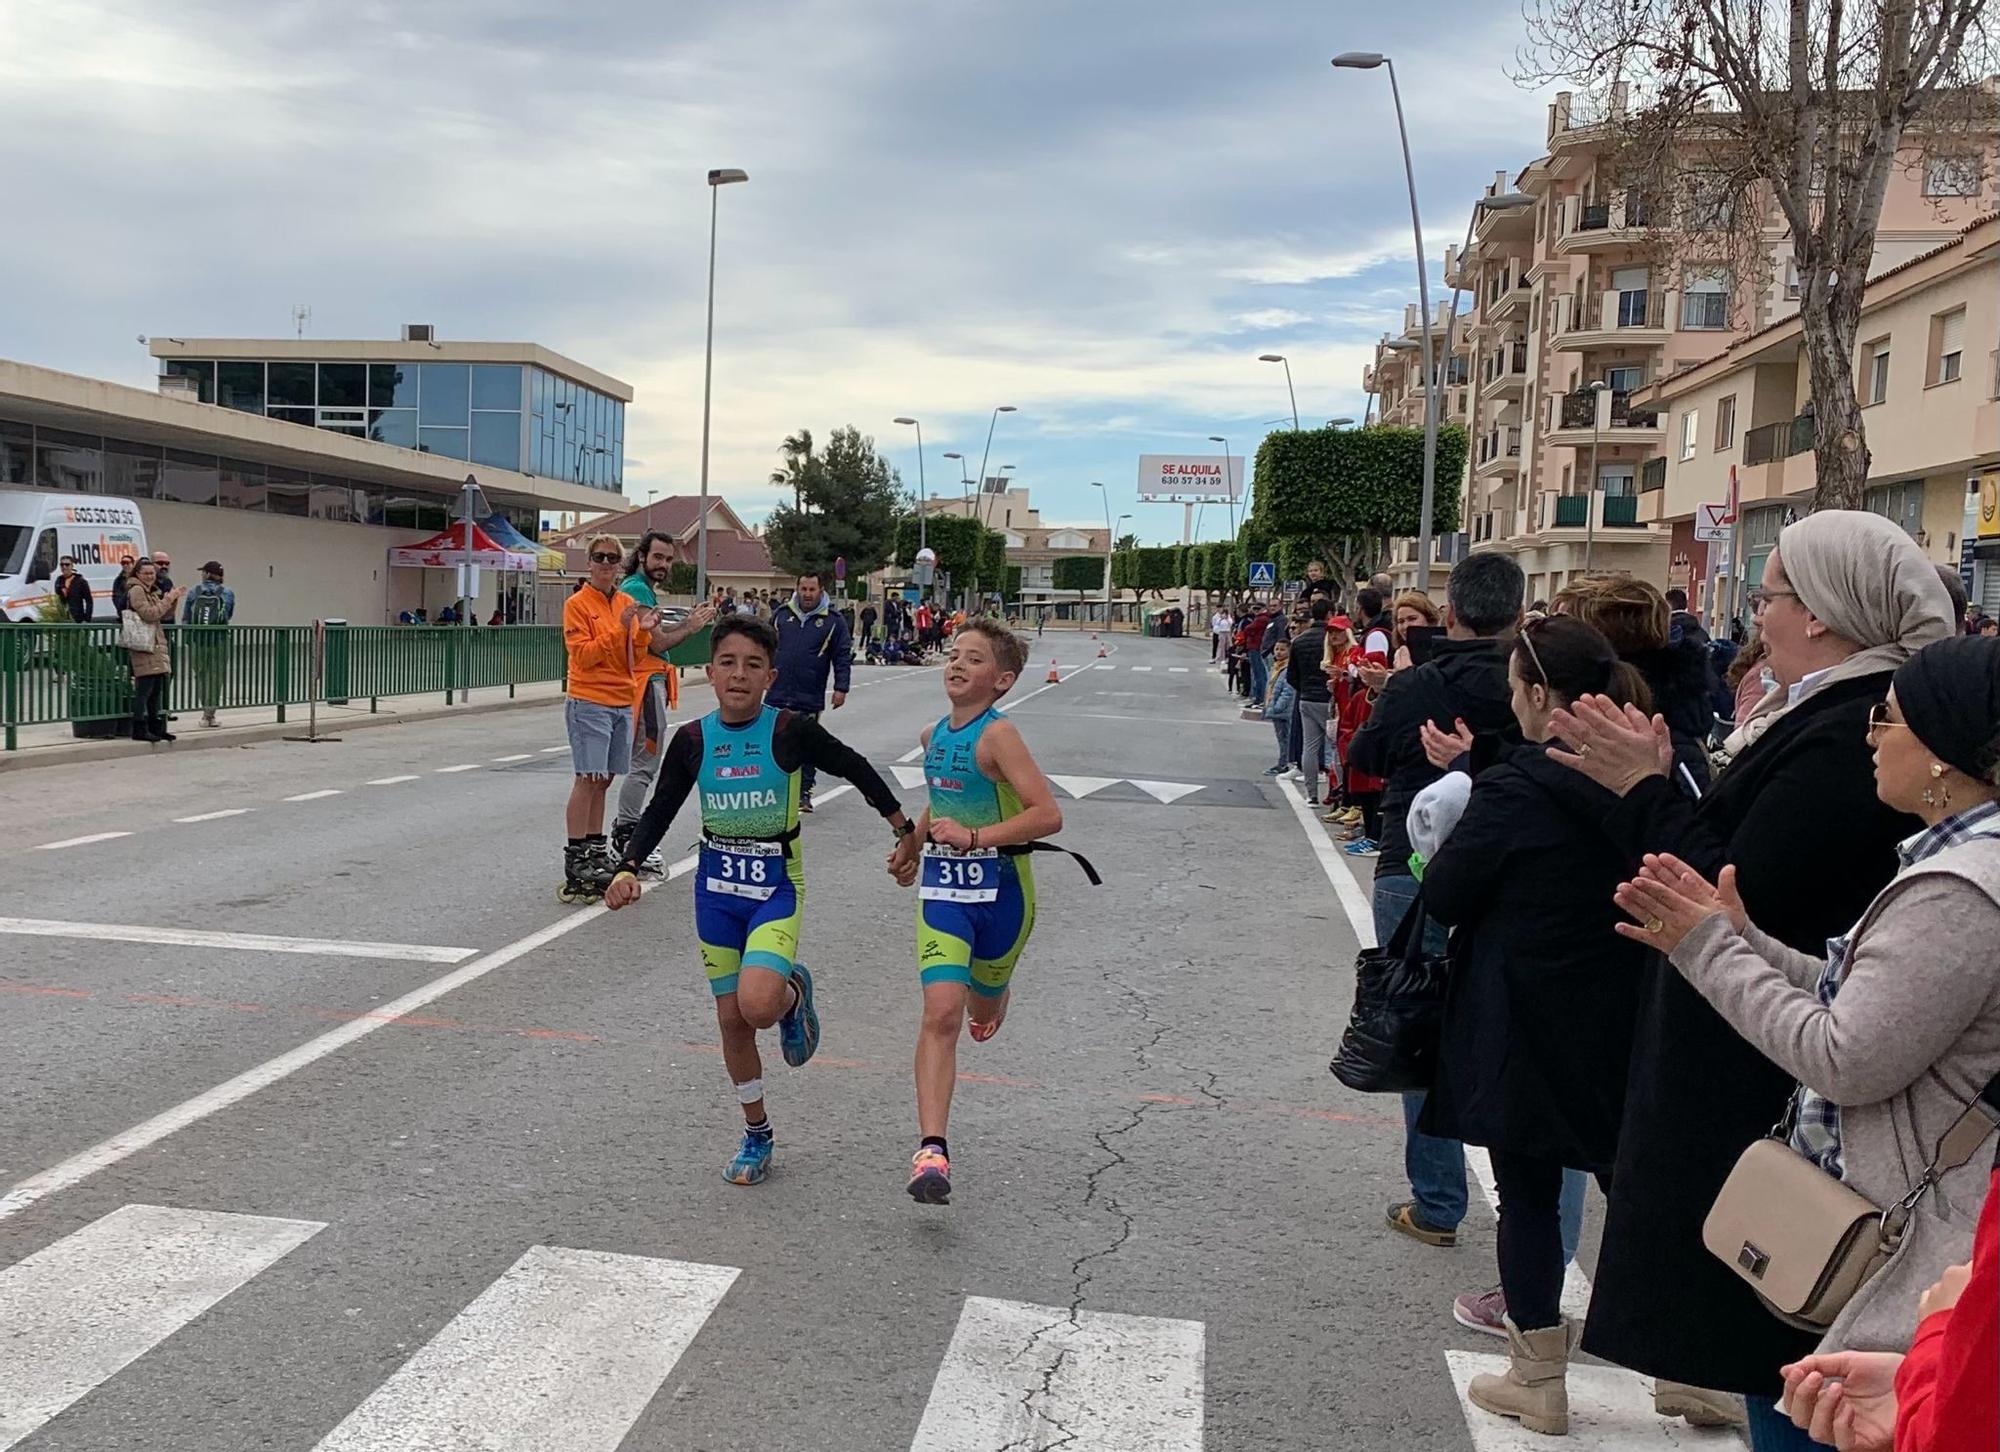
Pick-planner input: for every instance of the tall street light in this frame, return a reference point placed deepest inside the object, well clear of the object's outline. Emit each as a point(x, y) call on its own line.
point(718, 178)
point(1362, 60)
point(1340, 423)
point(1281, 358)
point(964, 484)
point(1598, 388)
point(1108, 527)
point(986, 454)
point(1229, 477)
point(923, 539)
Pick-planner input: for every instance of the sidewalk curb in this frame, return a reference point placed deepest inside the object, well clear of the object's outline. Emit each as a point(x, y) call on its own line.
point(209, 740)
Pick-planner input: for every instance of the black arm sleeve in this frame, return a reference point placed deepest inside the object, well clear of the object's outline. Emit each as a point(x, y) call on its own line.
point(800, 741)
point(678, 770)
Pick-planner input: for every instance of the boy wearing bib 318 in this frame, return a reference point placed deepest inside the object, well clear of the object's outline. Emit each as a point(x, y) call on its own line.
point(976, 901)
point(750, 886)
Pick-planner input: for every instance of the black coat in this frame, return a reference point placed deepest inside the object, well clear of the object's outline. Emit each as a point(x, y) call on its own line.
point(1543, 993)
point(1798, 817)
point(1683, 685)
point(76, 596)
point(1464, 680)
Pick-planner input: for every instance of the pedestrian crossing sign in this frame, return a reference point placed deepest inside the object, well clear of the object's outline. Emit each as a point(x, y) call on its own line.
point(1263, 574)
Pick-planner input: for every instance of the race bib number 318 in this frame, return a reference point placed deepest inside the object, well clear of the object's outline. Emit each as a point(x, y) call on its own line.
point(749, 869)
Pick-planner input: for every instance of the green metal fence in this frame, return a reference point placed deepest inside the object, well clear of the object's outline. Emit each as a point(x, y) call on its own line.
point(56, 673)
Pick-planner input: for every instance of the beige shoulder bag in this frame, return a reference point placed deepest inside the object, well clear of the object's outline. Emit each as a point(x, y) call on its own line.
point(1804, 1241)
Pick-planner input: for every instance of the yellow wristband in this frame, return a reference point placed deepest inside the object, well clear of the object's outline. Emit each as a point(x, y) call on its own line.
point(625, 872)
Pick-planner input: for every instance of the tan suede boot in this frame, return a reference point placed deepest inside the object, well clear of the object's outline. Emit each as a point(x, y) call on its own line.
point(1700, 1406)
point(1533, 1391)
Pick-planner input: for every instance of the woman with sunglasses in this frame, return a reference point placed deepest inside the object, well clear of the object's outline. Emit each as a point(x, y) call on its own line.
point(1538, 1015)
point(1846, 598)
point(1894, 1030)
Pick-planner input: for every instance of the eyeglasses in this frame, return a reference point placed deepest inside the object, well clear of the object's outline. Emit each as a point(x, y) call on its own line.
point(597, 558)
point(1760, 600)
point(1879, 720)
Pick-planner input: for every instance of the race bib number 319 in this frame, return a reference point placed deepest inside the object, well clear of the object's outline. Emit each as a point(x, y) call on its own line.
point(960, 876)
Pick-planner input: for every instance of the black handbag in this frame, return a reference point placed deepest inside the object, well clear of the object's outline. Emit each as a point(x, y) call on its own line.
point(1391, 1041)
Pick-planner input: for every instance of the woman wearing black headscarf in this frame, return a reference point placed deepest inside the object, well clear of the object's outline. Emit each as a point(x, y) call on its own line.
point(1894, 1031)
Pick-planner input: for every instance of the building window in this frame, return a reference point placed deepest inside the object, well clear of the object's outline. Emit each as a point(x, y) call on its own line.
point(1725, 424)
point(1705, 301)
point(452, 443)
point(392, 385)
point(1617, 480)
point(1947, 345)
point(203, 375)
point(496, 439)
point(240, 386)
point(1626, 378)
point(343, 385)
point(496, 385)
point(396, 426)
point(1903, 503)
point(445, 397)
point(1690, 431)
point(189, 478)
point(1878, 370)
point(1952, 176)
point(1791, 279)
point(1711, 202)
point(291, 386)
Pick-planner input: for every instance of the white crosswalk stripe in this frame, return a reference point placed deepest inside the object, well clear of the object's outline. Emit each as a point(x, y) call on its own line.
point(561, 1354)
point(565, 1350)
point(1083, 786)
point(1036, 1378)
point(89, 1305)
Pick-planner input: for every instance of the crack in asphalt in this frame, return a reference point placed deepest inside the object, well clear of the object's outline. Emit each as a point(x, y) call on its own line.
point(1081, 1277)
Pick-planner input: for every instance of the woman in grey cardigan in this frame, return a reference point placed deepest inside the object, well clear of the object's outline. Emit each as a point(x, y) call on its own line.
point(1897, 1029)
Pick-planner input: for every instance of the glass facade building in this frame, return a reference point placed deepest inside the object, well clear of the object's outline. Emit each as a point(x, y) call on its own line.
point(34, 456)
point(505, 415)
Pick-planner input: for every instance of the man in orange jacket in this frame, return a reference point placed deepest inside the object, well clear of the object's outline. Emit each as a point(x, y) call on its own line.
point(606, 633)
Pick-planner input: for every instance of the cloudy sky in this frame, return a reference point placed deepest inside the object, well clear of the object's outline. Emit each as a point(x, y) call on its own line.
point(1099, 211)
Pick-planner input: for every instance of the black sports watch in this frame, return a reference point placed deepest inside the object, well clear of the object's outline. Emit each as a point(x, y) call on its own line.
point(903, 831)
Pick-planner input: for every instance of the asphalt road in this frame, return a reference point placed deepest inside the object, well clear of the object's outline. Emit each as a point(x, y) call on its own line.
point(437, 1160)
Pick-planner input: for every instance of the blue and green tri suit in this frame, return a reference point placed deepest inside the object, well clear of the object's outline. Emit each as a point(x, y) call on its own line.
point(974, 910)
point(750, 878)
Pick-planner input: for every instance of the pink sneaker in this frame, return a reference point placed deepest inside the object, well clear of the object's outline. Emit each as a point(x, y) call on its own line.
point(1485, 1312)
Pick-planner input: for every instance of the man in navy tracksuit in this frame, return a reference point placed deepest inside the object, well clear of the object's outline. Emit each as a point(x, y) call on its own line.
point(812, 640)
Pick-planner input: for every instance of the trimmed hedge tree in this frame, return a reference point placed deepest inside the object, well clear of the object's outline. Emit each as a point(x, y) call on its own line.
point(1348, 492)
point(1081, 573)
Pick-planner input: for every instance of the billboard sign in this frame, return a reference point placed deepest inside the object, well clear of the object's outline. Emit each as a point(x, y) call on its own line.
point(1178, 478)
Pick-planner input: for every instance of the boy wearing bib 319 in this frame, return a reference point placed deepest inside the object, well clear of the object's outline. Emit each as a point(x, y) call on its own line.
point(976, 899)
point(750, 881)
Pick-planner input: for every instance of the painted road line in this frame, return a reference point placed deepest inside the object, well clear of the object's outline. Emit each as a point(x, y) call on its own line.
point(1177, 670)
point(552, 750)
point(517, 756)
point(1006, 706)
point(1105, 665)
point(1353, 901)
point(1026, 1376)
point(1137, 669)
point(561, 1354)
point(80, 841)
point(83, 1309)
point(1610, 1410)
point(1167, 792)
point(249, 942)
point(908, 776)
point(466, 766)
point(217, 816)
point(314, 796)
point(390, 780)
point(105, 1153)
point(912, 754)
point(1082, 786)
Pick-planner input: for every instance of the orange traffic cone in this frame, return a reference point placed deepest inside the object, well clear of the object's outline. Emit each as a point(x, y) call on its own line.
point(1054, 676)
point(1093, 635)
point(1100, 652)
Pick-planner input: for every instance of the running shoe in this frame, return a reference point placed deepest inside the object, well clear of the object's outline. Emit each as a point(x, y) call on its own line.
point(805, 801)
point(798, 1030)
point(752, 1162)
point(1482, 1311)
point(1274, 771)
point(1362, 847)
point(930, 1178)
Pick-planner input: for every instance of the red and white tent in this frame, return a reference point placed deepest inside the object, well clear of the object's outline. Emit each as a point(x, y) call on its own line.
point(445, 550)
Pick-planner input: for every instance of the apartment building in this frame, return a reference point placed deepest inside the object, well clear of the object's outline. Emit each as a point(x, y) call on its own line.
point(1929, 382)
point(1031, 544)
point(1582, 300)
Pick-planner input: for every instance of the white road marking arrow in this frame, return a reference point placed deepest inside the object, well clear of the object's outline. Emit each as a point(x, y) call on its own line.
point(1083, 786)
point(1168, 792)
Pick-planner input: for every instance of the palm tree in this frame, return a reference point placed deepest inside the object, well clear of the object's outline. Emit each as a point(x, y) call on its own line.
point(798, 452)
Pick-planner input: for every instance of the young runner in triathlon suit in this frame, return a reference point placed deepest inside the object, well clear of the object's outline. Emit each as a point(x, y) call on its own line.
point(975, 905)
point(750, 884)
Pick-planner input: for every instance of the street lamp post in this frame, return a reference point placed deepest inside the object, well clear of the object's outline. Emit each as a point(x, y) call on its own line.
point(1281, 358)
point(922, 537)
point(1340, 423)
point(988, 453)
point(1108, 527)
point(472, 506)
point(1368, 61)
point(718, 178)
point(1598, 389)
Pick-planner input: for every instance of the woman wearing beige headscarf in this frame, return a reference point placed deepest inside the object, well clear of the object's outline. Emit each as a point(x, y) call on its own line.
point(1846, 598)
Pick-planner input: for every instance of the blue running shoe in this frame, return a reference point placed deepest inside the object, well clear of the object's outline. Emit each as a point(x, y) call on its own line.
point(798, 1030)
point(752, 1162)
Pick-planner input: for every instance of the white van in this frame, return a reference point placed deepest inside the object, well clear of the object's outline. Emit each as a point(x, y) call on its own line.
point(38, 528)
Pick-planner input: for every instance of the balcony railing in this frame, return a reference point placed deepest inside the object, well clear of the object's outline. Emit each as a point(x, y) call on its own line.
point(1780, 440)
point(1621, 511)
point(1499, 442)
point(1653, 475)
point(1572, 511)
point(1505, 363)
point(1579, 410)
point(1610, 311)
